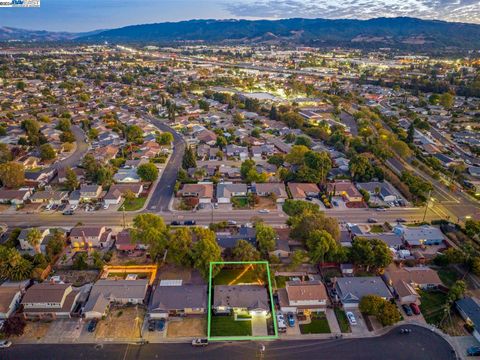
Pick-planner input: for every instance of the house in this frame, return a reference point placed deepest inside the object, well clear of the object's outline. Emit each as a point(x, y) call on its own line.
point(117, 191)
point(276, 190)
point(93, 236)
point(350, 290)
point(345, 189)
point(126, 176)
point(405, 280)
point(9, 301)
point(383, 190)
point(15, 197)
point(113, 197)
point(202, 191)
point(90, 192)
point(469, 309)
point(227, 240)
point(172, 298)
point(123, 241)
point(105, 292)
point(23, 236)
point(300, 191)
point(240, 299)
point(208, 137)
point(233, 150)
point(49, 301)
point(303, 296)
point(225, 191)
point(49, 196)
point(420, 235)
point(282, 247)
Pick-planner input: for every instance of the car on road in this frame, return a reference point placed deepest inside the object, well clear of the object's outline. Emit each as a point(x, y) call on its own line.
point(151, 325)
point(161, 324)
point(189, 222)
point(264, 211)
point(5, 344)
point(92, 325)
point(407, 310)
point(200, 342)
point(372, 220)
point(68, 212)
point(351, 318)
point(401, 220)
point(291, 319)
point(175, 223)
point(415, 308)
point(381, 209)
point(473, 351)
point(231, 222)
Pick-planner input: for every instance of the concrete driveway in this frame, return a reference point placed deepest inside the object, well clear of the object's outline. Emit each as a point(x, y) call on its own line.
point(361, 327)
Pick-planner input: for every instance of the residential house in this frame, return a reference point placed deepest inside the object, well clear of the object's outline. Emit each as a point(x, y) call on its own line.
point(300, 191)
point(105, 292)
point(282, 246)
point(90, 192)
point(303, 296)
point(93, 236)
point(233, 150)
point(240, 299)
point(345, 189)
point(350, 290)
point(9, 300)
point(276, 190)
point(172, 298)
point(228, 239)
point(15, 197)
point(226, 191)
point(406, 280)
point(420, 235)
point(207, 137)
point(49, 196)
point(126, 175)
point(201, 191)
point(23, 236)
point(49, 301)
point(383, 190)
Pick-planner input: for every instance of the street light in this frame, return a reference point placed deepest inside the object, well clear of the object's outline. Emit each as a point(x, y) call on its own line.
point(428, 202)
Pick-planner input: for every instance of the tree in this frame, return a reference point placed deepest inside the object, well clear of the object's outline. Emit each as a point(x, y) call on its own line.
point(206, 250)
point(370, 304)
point(457, 291)
point(319, 162)
point(71, 182)
point(12, 174)
point(472, 228)
point(244, 251)
point(401, 149)
point(14, 326)
point(410, 134)
point(80, 262)
point(5, 153)
point(454, 256)
point(386, 312)
point(303, 140)
point(165, 138)
point(189, 160)
point(34, 238)
point(179, 247)
point(97, 260)
point(47, 152)
point(371, 253)
point(361, 168)
point(297, 155)
point(134, 134)
point(56, 244)
point(322, 247)
point(148, 172)
point(447, 100)
point(149, 229)
point(303, 224)
point(13, 266)
point(298, 258)
point(266, 238)
point(64, 124)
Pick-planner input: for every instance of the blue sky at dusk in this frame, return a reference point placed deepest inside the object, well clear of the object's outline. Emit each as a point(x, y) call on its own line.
point(86, 15)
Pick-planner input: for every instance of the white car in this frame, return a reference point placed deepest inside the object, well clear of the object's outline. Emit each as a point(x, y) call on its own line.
point(351, 318)
point(232, 222)
point(264, 211)
point(74, 207)
point(5, 344)
point(106, 206)
point(49, 206)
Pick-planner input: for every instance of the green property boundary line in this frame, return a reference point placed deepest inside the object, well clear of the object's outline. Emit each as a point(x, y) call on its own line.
point(234, 338)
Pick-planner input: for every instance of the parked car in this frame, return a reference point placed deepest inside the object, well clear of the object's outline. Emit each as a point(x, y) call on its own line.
point(351, 318)
point(215, 205)
point(199, 342)
point(401, 220)
point(5, 344)
point(281, 324)
point(405, 331)
point(68, 212)
point(74, 207)
point(92, 325)
point(161, 324)
point(106, 206)
point(308, 198)
point(407, 310)
point(189, 222)
point(372, 220)
point(473, 351)
point(175, 223)
point(49, 207)
point(151, 325)
point(264, 211)
point(415, 308)
point(291, 319)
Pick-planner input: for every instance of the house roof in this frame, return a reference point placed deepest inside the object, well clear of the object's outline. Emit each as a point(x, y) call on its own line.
point(414, 235)
point(203, 190)
point(354, 288)
point(299, 190)
point(241, 296)
point(7, 295)
point(471, 309)
point(49, 195)
point(225, 190)
point(166, 298)
point(45, 292)
point(272, 188)
point(306, 290)
point(88, 231)
point(420, 275)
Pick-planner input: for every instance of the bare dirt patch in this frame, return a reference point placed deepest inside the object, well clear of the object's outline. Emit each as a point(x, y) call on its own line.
point(121, 323)
point(266, 203)
point(187, 327)
point(35, 330)
point(136, 258)
point(77, 277)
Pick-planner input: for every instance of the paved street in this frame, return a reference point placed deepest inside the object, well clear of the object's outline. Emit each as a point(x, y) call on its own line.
point(80, 151)
point(421, 344)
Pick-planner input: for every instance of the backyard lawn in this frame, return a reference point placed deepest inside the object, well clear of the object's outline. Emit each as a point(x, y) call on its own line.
point(342, 321)
point(280, 281)
point(227, 326)
point(448, 276)
point(226, 276)
point(133, 204)
point(318, 325)
point(432, 306)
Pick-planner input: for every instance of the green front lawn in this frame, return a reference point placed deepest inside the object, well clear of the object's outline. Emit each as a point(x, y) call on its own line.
point(342, 321)
point(240, 203)
point(376, 229)
point(227, 326)
point(432, 305)
point(133, 204)
point(318, 325)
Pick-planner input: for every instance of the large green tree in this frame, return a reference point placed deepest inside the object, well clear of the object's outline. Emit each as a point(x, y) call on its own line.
point(244, 251)
point(12, 174)
point(150, 229)
point(189, 160)
point(148, 172)
point(206, 250)
point(180, 247)
point(266, 237)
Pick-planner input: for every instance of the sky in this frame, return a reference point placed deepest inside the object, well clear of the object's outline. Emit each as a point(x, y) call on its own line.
point(87, 15)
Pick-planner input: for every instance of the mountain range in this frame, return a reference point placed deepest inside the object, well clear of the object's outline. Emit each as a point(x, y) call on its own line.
point(398, 32)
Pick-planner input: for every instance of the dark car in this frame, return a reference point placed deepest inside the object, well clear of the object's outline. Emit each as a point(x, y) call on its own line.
point(175, 223)
point(308, 198)
point(291, 319)
point(407, 310)
point(473, 351)
point(161, 325)
point(151, 325)
point(92, 325)
point(401, 220)
point(415, 308)
point(189, 222)
point(372, 220)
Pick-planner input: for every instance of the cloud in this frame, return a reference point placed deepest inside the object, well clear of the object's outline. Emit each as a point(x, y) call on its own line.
point(449, 10)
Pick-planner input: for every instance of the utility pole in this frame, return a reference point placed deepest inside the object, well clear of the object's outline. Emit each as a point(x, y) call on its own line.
point(426, 206)
point(124, 221)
